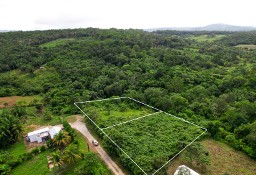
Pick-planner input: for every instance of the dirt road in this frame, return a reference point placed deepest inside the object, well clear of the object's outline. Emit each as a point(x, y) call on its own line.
point(80, 126)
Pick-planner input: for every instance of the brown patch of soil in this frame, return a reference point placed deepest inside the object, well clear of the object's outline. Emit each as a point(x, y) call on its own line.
point(10, 101)
point(31, 145)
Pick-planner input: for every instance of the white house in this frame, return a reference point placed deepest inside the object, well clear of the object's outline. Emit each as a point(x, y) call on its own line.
point(43, 134)
point(184, 170)
point(38, 135)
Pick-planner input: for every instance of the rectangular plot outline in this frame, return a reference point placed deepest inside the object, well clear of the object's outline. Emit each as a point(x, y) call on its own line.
point(159, 111)
point(118, 99)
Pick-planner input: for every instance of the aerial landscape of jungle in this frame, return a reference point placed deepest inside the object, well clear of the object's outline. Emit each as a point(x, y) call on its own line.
point(204, 77)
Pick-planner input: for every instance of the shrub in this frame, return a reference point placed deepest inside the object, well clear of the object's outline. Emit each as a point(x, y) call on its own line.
point(35, 151)
point(5, 169)
point(49, 143)
point(14, 163)
point(42, 148)
point(69, 129)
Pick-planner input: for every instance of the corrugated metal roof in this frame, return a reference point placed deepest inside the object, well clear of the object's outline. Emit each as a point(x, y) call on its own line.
point(38, 131)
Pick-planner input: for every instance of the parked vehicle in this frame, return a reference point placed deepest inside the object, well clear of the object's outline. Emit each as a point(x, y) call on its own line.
point(95, 143)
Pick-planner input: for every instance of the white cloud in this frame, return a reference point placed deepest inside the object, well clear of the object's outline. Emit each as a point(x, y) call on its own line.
point(34, 14)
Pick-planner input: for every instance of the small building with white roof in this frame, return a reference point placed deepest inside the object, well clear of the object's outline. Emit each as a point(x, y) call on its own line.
point(38, 135)
point(54, 131)
point(43, 134)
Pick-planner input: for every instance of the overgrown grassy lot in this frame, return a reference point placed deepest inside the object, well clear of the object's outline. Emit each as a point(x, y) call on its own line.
point(150, 139)
point(114, 111)
point(223, 160)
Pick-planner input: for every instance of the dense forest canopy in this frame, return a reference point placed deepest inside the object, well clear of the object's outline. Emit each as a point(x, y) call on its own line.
point(210, 83)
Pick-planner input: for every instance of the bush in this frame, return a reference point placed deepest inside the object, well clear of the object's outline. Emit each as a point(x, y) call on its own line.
point(49, 143)
point(35, 151)
point(5, 169)
point(42, 148)
point(69, 129)
point(15, 163)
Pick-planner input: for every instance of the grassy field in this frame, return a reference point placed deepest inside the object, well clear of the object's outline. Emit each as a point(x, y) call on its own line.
point(248, 46)
point(17, 149)
point(71, 118)
point(37, 165)
point(224, 159)
point(10, 101)
point(57, 42)
point(35, 122)
point(202, 38)
point(82, 142)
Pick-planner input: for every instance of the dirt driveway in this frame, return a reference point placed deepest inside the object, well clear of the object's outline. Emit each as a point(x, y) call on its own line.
point(80, 126)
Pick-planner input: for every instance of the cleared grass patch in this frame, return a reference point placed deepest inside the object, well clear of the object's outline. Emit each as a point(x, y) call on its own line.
point(34, 122)
point(12, 100)
point(202, 38)
point(57, 42)
point(107, 113)
point(247, 46)
point(71, 118)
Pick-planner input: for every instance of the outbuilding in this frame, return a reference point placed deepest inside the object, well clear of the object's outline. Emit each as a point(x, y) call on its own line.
point(43, 134)
point(39, 135)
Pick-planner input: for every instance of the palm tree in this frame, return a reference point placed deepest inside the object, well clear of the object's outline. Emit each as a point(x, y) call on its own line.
point(56, 158)
point(10, 129)
point(72, 154)
point(61, 140)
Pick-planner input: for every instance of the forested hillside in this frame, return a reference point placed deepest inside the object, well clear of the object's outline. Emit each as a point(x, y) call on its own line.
point(211, 83)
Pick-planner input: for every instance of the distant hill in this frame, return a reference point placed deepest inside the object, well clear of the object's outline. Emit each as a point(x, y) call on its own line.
point(4, 31)
point(212, 27)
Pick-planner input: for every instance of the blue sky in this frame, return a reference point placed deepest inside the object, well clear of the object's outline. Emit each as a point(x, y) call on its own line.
point(56, 14)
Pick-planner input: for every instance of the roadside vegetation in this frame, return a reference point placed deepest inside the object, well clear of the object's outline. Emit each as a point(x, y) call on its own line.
point(211, 83)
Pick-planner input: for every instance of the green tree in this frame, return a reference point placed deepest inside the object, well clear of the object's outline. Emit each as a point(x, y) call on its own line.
point(10, 129)
point(61, 140)
point(69, 129)
point(197, 153)
point(71, 154)
point(56, 158)
point(91, 165)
